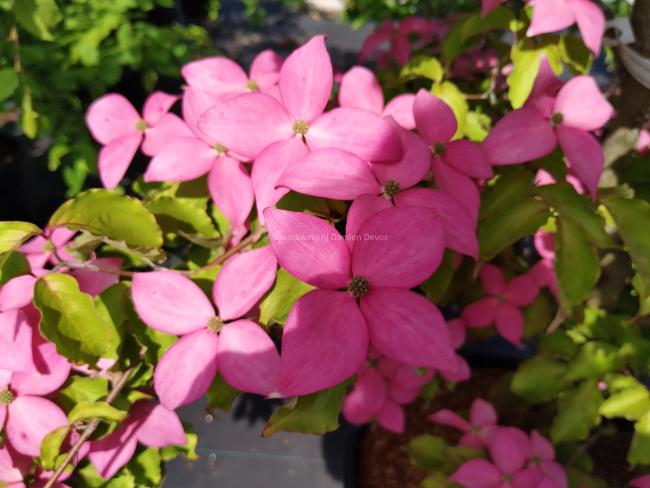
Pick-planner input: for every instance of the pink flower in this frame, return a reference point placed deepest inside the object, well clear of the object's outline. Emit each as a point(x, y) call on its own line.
point(534, 131)
point(488, 6)
point(115, 124)
point(360, 89)
point(17, 469)
point(363, 297)
point(478, 431)
point(643, 144)
point(508, 449)
point(239, 349)
point(542, 458)
point(248, 123)
point(501, 306)
point(40, 250)
point(399, 39)
point(26, 416)
point(149, 424)
point(641, 482)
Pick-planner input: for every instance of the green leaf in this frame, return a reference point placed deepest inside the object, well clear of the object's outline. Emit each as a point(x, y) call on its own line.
point(425, 67)
point(455, 98)
point(632, 219)
point(51, 447)
point(13, 264)
point(28, 117)
point(576, 263)
point(575, 54)
point(594, 360)
point(477, 126)
point(38, 16)
point(9, 82)
point(437, 286)
point(69, 319)
point(577, 413)
point(427, 451)
point(537, 316)
point(540, 379)
point(91, 478)
point(639, 452)
point(146, 467)
point(558, 342)
point(221, 395)
point(108, 214)
point(499, 18)
point(312, 414)
point(82, 389)
point(526, 60)
point(97, 410)
point(114, 307)
point(285, 293)
point(188, 450)
point(176, 215)
point(13, 234)
point(631, 403)
point(572, 206)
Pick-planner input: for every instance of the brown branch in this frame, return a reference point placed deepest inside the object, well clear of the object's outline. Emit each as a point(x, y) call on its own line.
point(251, 239)
point(90, 428)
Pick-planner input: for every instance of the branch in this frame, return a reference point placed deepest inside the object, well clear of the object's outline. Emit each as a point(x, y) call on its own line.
point(87, 432)
point(251, 239)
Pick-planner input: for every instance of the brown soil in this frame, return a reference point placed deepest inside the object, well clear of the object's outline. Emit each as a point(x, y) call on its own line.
point(383, 456)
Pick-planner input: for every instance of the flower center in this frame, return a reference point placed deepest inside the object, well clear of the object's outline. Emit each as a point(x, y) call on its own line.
point(141, 125)
point(215, 324)
point(557, 118)
point(300, 127)
point(220, 148)
point(252, 86)
point(358, 286)
point(391, 188)
point(6, 397)
point(439, 149)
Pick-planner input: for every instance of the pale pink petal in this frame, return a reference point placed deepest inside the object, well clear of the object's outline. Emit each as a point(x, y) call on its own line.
point(247, 123)
point(169, 128)
point(306, 80)
point(360, 89)
point(361, 210)
point(477, 473)
point(391, 417)
point(641, 482)
point(508, 449)
point(482, 413)
point(195, 103)
point(52, 371)
point(217, 75)
point(492, 279)
point(403, 395)
point(269, 166)
point(521, 136)
point(435, 120)
point(110, 454)
point(643, 144)
point(17, 292)
point(309, 248)
point(526, 478)
point(357, 131)
point(157, 426)
point(457, 332)
point(545, 89)
point(182, 159)
point(399, 247)
point(458, 225)
point(231, 190)
point(243, 280)
point(95, 282)
point(540, 447)
point(114, 159)
point(408, 328)
point(187, 369)
point(481, 313)
point(510, 323)
point(401, 49)
point(265, 69)
point(409, 377)
point(248, 358)
point(9, 471)
point(414, 165)
point(156, 106)
point(582, 105)
point(374, 40)
point(521, 290)
point(401, 109)
point(451, 419)
point(29, 420)
point(111, 117)
point(585, 155)
point(3, 417)
point(325, 341)
point(459, 186)
point(468, 158)
point(16, 342)
point(330, 173)
point(367, 397)
point(550, 16)
point(591, 22)
point(470, 439)
point(462, 373)
point(170, 302)
point(488, 5)
point(557, 477)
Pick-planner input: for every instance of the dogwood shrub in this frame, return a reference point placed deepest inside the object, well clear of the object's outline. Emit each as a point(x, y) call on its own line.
point(336, 238)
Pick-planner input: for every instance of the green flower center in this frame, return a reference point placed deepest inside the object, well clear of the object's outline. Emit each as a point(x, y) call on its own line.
point(358, 286)
point(391, 188)
point(6, 397)
point(215, 324)
point(300, 127)
point(252, 86)
point(220, 148)
point(557, 118)
point(439, 149)
point(141, 125)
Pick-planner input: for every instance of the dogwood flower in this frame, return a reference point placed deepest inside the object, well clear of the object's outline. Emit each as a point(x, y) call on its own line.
point(542, 458)
point(363, 296)
point(501, 306)
point(115, 123)
point(239, 348)
point(478, 431)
